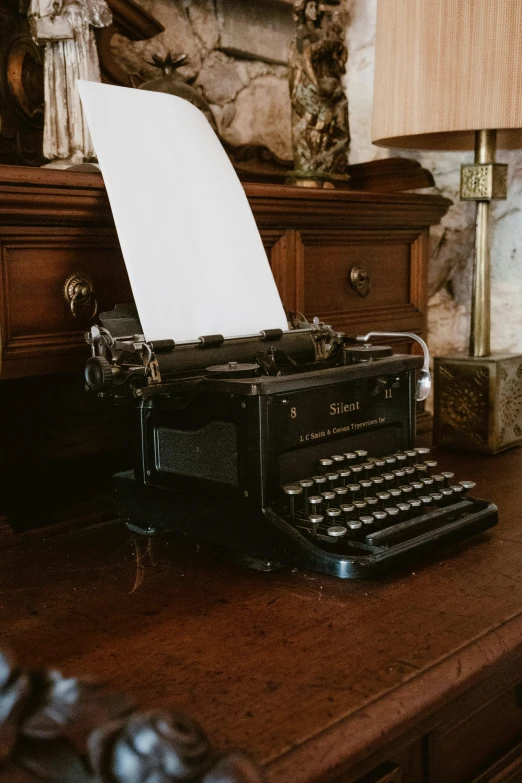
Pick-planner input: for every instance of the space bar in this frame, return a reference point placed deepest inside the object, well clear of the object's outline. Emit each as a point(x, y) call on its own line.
point(412, 527)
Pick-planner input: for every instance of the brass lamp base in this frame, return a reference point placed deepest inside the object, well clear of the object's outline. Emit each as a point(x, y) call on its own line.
point(478, 402)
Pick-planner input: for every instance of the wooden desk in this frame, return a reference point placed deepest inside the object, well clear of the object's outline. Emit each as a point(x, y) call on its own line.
point(322, 680)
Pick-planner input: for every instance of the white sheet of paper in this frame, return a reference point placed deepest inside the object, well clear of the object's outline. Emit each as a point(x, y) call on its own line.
point(193, 253)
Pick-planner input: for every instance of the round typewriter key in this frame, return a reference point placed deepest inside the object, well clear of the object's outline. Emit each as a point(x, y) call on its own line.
point(427, 481)
point(306, 484)
point(415, 503)
point(467, 485)
point(409, 471)
point(292, 490)
point(368, 468)
point(431, 464)
point(390, 461)
point(389, 479)
point(359, 505)
point(417, 486)
point(420, 469)
point(380, 517)
point(344, 474)
point(404, 508)
point(315, 520)
point(372, 502)
point(333, 513)
point(347, 509)
point(356, 470)
point(395, 493)
point(412, 456)
point(319, 480)
point(361, 453)
point(393, 513)
point(325, 464)
point(458, 490)
point(332, 478)
point(367, 520)
point(338, 459)
point(365, 485)
point(406, 489)
point(383, 497)
point(438, 478)
point(341, 492)
point(399, 474)
point(354, 525)
point(328, 496)
point(402, 459)
point(447, 475)
point(350, 457)
point(448, 495)
point(315, 500)
point(422, 450)
point(336, 531)
point(425, 500)
point(377, 481)
point(437, 497)
point(355, 491)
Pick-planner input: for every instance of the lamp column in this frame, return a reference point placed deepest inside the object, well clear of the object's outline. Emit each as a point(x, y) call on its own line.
point(479, 342)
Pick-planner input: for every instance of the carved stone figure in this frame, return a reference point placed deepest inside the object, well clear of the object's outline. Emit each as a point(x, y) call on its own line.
point(65, 29)
point(320, 130)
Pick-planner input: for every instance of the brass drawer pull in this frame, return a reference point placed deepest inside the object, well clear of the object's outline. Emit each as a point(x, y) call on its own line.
point(360, 280)
point(79, 295)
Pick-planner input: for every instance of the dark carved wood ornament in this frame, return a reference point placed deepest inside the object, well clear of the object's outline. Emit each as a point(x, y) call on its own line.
point(55, 729)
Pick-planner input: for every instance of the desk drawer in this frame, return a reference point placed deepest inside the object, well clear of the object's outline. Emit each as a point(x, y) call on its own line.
point(480, 740)
point(38, 330)
point(316, 274)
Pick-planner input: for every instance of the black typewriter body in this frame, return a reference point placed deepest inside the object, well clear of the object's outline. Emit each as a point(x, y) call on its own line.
point(268, 446)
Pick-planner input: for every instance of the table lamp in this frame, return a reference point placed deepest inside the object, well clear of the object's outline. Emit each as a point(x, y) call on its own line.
point(448, 76)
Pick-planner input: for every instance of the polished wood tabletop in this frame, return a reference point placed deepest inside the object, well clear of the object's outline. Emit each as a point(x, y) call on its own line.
point(300, 669)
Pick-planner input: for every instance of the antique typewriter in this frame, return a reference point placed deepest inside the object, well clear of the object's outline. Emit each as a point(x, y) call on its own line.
point(285, 447)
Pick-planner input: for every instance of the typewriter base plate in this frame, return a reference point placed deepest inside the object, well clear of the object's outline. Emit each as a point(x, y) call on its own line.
point(263, 540)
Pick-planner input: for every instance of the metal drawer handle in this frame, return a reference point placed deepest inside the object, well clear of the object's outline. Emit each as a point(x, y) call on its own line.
point(360, 280)
point(78, 291)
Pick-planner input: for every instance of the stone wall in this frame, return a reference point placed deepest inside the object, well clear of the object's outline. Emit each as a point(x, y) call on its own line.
point(235, 58)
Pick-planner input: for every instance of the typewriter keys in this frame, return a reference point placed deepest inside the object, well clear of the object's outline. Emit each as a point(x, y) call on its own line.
point(387, 502)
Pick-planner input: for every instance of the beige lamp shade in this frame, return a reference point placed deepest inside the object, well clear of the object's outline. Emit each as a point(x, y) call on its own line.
point(446, 68)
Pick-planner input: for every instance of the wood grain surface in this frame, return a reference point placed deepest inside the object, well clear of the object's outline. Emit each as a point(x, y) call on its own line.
point(312, 675)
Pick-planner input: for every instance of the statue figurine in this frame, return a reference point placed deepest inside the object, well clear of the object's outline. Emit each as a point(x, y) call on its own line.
point(320, 130)
point(65, 29)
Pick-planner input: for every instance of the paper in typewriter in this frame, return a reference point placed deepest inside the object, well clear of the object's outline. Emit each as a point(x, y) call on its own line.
point(193, 253)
